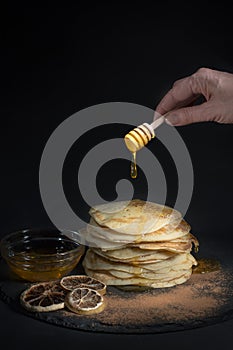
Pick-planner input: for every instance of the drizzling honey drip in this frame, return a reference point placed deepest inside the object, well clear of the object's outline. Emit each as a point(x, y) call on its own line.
point(133, 167)
point(135, 140)
point(206, 265)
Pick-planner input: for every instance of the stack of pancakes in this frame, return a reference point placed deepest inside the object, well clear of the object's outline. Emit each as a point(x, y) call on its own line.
point(138, 243)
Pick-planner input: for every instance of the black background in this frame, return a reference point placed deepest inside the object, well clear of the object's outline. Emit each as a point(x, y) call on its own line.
point(60, 59)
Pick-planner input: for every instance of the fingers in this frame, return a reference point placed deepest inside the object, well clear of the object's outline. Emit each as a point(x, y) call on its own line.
point(180, 95)
point(186, 90)
point(215, 86)
point(188, 115)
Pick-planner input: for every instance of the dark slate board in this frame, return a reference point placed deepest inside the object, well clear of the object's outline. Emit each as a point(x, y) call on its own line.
point(203, 300)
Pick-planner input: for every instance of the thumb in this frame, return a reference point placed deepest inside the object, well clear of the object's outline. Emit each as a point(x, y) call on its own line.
point(188, 115)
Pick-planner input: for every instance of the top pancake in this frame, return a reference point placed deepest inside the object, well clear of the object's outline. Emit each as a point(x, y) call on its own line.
point(135, 217)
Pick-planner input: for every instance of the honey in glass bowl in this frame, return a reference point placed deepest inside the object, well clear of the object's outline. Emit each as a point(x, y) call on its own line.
point(40, 255)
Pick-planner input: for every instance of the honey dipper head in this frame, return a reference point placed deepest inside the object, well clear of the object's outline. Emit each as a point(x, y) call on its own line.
point(139, 137)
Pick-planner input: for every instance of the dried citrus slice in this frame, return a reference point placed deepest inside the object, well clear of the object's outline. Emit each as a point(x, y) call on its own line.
point(44, 296)
point(81, 281)
point(84, 301)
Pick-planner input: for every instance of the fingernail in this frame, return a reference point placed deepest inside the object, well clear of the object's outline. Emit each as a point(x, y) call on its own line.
point(172, 120)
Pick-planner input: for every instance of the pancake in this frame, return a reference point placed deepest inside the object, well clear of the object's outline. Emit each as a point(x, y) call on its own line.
point(105, 238)
point(162, 277)
point(133, 254)
point(95, 262)
point(182, 244)
point(134, 217)
point(95, 240)
point(115, 281)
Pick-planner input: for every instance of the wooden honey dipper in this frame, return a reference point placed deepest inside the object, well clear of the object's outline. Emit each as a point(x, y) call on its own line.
point(141, 135)
point(138, 138)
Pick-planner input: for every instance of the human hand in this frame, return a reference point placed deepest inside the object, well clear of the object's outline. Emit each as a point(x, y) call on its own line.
point(215, 86)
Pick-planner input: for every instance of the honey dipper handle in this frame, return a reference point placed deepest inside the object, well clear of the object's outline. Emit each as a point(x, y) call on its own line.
point(157, 122)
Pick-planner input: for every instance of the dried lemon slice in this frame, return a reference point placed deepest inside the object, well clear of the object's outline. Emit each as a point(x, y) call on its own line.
point(45, 296)
point(84, 301)
point(81, 281)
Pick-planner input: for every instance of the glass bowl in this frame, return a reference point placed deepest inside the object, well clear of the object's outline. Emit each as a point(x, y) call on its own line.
point(40, 254)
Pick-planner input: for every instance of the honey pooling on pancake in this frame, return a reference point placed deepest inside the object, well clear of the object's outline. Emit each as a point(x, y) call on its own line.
point(135, 140)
